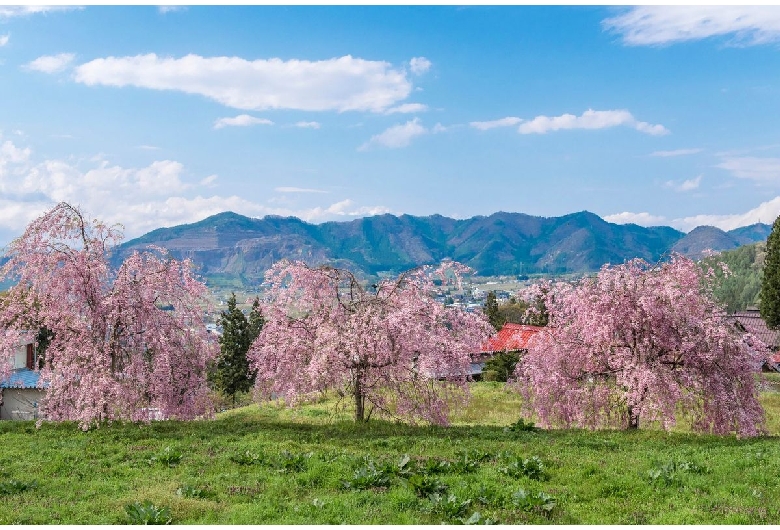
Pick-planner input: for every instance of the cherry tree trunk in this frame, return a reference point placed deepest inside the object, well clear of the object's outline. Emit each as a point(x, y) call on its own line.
point(360, 408)
point(633, 419)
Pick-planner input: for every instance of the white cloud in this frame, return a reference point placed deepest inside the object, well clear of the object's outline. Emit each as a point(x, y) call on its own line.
point(419, 65)
point(4, 39)
point(642, 219)
point(687, 185)
point(690, 184)
point(676, 152)
point(396, 136)
point(15, 215)
point(242, 120)
point(590, 119)
point(308, 124)
point(766, 170)
point(407, 108)
point(765, 212)
point(51, 64)
point(161, 177)
point(503, 122)
point(292, 189)
point(340, 84)
point(647, 128)
point(170, 9)
point(346, 208)
point(209, 181)
point(142, 199)
point(439, 128)
point(9, 153)
point(148, 147)
point(658, 25)
point(20, 11)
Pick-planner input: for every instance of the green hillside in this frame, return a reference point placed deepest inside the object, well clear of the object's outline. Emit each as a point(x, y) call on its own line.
point(272, 465)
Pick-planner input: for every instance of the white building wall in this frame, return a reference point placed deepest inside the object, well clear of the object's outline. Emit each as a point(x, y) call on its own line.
point(20, 403)
point(20, 356)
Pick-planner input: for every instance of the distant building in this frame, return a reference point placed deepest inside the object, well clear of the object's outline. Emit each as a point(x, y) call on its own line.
point(750, 321)
point(512, 337)
point(19, 392)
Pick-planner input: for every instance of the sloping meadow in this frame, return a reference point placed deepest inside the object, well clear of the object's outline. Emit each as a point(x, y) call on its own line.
point(270, 464)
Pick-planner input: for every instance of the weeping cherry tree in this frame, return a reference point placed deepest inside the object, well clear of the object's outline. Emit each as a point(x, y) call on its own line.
point(120, 342)
point(390, 346)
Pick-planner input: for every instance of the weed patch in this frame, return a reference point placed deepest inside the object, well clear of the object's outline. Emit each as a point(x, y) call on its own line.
point(532, 468)
point(538, 502)
point(449, 505)
point(167, 457)
point(522, 425)
point(425, 485)
point(147, 513)
point(191, 492)
point(292, 462)
point(368, 477)
point(11, 487)
point(247, 458)
point(670, 473)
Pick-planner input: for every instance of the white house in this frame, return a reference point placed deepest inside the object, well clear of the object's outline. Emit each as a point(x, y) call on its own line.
point(19, 392)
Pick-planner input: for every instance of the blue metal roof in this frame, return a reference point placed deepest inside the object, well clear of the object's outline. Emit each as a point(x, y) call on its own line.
point(21, 378)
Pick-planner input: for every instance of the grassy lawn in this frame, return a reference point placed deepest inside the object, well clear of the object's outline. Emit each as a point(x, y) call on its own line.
point(270, 464)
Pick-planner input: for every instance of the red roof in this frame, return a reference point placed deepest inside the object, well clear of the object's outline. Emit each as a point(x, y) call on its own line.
point(511, 337)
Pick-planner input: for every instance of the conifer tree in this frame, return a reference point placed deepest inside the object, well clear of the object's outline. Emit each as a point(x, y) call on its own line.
point(255, 321)
point(232, 373)
point(503, 365)
point(492, 311)
point(770, 286)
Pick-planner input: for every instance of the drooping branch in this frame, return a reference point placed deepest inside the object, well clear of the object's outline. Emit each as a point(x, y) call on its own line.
point(640, 340)
point(362, 342)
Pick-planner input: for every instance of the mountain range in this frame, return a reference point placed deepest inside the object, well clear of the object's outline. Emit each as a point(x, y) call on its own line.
point(235, 246)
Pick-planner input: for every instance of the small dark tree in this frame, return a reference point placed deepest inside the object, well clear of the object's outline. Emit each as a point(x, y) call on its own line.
point(43, 339)
point(502, 364)
point(255, 321)
point(492, 312)
point(231, 372)
point(770, 286)
point(514, 311)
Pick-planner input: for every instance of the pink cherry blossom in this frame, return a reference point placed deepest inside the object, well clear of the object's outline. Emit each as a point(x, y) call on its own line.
point(125, 341)
point(640, 341)
point(385, 346)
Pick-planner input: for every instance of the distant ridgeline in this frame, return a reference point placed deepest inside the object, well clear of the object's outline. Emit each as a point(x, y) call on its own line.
point(232, 249)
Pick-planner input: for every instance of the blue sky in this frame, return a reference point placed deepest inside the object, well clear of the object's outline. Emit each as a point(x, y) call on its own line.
point(154, 116)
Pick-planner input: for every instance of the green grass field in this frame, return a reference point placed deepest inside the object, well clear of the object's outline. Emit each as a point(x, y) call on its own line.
point(271, 464)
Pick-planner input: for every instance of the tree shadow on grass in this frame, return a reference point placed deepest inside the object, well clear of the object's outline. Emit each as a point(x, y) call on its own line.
point(250, 424)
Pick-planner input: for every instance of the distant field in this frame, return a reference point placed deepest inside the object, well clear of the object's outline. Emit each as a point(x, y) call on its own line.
point(271, 464)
